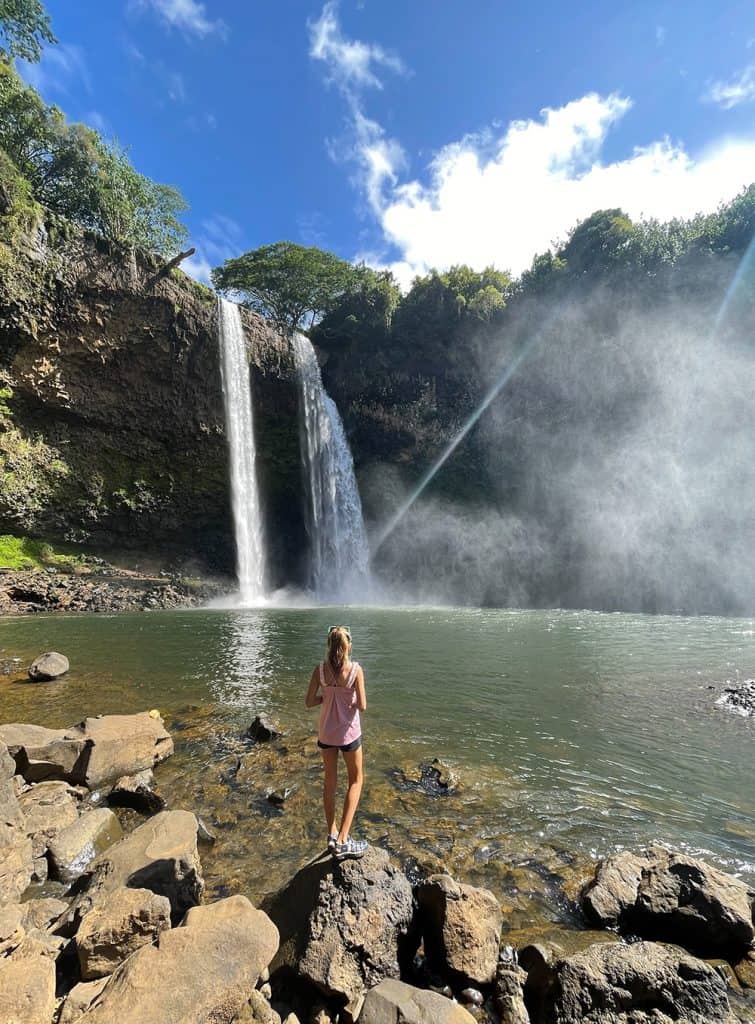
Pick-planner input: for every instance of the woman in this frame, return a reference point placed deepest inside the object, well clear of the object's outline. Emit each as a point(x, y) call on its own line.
point(342, 696)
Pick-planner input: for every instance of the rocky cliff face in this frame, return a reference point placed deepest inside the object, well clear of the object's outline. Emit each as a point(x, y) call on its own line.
point(111, 409)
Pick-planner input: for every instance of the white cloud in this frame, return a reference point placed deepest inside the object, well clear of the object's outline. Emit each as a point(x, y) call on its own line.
point(188, 16)
point(738, 89)
point(220, 238)
point(61, 67)
point(98, 121)
point(176, 87)
point(349, 61)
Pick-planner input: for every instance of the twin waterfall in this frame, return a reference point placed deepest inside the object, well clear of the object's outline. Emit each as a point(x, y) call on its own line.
point(339, 554)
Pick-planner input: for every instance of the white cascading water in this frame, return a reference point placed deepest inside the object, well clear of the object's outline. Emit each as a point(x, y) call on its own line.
point(339, 552)
point(239, 425)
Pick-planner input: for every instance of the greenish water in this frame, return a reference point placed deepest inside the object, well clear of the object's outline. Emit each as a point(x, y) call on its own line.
point(573, 732)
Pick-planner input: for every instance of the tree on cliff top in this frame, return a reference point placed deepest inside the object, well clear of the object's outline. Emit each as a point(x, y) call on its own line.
point(24, 26)
point(286, 282)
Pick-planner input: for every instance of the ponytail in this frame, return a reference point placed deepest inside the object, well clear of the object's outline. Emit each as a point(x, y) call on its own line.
point(339, 642)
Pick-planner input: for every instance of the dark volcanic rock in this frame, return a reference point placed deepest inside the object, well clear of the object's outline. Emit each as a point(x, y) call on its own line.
point(343, 924)
point(674, 898)
point(48, 666)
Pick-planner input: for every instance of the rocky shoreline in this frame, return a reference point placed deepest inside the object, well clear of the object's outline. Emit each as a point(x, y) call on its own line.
point(102, 916)
point(26, 592)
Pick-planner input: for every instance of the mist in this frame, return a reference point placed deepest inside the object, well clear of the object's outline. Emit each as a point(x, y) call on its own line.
point(615, 471)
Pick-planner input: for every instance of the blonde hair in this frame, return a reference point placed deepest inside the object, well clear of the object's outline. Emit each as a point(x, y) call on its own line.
point(339, 645)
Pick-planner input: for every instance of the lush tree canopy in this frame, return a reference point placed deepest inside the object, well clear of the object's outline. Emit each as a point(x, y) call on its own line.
point(286, 282)
point(24, 26)
point(76, 173)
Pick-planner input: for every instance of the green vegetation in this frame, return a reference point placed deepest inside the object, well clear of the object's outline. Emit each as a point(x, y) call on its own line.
point(286, 282)
point(24, 26)
point(28, 553)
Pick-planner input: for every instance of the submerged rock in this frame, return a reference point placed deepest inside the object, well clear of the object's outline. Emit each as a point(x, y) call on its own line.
point(126, 921)
point(263, 729)
point(461, 928)
point(343, 924)
point(204, 970)
point(76, 846)
point(49, 666)
point(625, 984)
point(674, 898)
point(393, 1001)
point(740, 698)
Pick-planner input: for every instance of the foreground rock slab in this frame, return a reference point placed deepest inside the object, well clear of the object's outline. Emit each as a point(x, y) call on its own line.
point(76, 846)
point(392, 1001)
point(49, 666)
point(160, 855)
point(673, 898)
point(128, 920)
point(203, 971)
point(16, 851)
point(343, 924)
point(94, 752)
point(27, 990)
point(627, 984)
point(461, 928)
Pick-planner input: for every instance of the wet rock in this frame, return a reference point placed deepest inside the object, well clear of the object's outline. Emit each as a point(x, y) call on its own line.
point(625, 984)
point(137, 792)
point(343, 925)
point(112, 931)
point(435, 778)
point(94, 752)
point(278, 797)
point(393, 1001)
point(461, 928)
point(263, 729)
point(27, 989)
point(740, 698)
point(508, 994)
point(76, 846)
point(471, 997)
point(204, 970)
point(16, 853)
point(79, 999)
point(205, 834)
point(160, 855)
point(49, 807)
point(673, 898)
point(745, 971)
point(48, 666)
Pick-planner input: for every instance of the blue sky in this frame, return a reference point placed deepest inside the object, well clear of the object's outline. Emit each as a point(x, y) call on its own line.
point(414, 134)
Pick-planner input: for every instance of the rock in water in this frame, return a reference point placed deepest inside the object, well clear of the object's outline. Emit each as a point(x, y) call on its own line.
point(204, 970)
point(625, 984)
point(392, 1000)
point(160, 855)
point(48, 666)
point(111, 932)
point(673, 898)
point(461, 927)
point(263, 729)
point(76, 846)
point(740, 698)
point(138, 792)
point(343, 925)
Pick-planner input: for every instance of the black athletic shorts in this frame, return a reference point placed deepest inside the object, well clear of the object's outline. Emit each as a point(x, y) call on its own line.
point(347, 748)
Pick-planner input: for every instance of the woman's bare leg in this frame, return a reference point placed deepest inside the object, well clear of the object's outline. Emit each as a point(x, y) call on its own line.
point(330, 764)
point(353, 759)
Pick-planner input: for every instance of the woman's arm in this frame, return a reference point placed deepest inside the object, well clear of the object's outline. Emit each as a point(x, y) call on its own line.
point(361, 692)
point(312, 699)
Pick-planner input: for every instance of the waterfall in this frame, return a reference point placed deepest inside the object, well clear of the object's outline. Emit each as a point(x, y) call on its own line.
point(339, 554)
point(239, 425)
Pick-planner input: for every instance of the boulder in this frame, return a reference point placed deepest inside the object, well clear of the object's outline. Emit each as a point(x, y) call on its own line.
point(204, 970)
point(508, 994)
point(672, 898)
point(392, 1001)
point(27, 989)
point(76, 846)
point(79, 999)
point(112, 931)
point(461, 928)
point(160, 855)
point(43, 913)
point(12, 929)
point(48, 666)
point(137, 792)
point(263, 729)
point(16, 852)
point(49, 807)
point(343, 924)
point(94, 752)
point(627, 984)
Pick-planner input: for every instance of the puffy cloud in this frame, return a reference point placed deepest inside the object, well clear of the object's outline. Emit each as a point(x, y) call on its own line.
point(350, 61)
point(738, 89)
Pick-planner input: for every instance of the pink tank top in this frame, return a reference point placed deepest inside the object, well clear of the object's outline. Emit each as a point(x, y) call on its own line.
point(339, 714)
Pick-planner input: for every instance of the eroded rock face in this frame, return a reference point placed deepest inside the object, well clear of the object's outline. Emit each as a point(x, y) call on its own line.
point(76, 846)
point(392, 1001)
point(205, 970)
point(160, 855)
point(461, 928)
point(46, 667)
point(674, 898)
point(626, 984)
point(94, 752)
point(127, 920)
point(343, 924)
